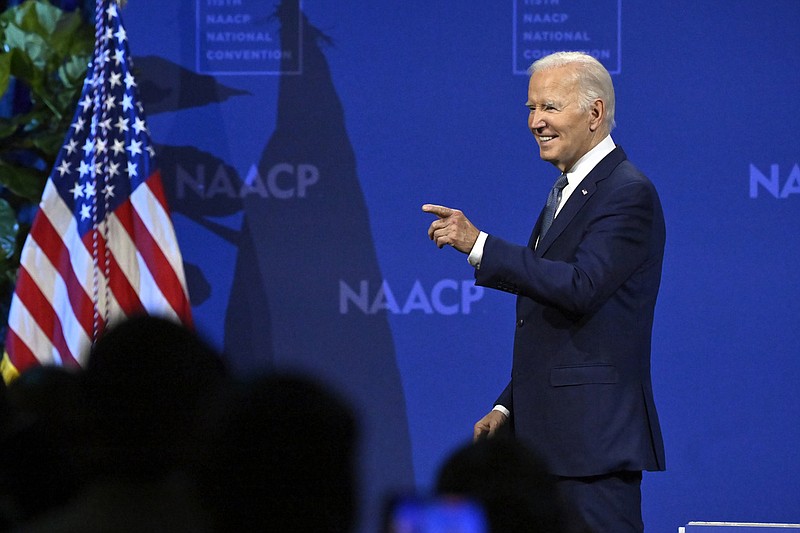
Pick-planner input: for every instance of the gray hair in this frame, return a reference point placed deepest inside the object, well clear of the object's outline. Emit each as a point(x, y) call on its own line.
point(594, 81)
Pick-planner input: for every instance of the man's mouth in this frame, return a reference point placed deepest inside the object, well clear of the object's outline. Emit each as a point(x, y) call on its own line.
point(546, 138)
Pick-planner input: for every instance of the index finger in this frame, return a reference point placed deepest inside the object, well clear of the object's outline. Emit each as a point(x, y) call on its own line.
point(438, 210)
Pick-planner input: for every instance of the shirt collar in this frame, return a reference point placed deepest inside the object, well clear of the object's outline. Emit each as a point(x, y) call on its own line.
point(590, 159)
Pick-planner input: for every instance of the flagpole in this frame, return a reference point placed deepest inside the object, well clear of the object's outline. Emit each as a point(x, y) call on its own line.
point(97, 87)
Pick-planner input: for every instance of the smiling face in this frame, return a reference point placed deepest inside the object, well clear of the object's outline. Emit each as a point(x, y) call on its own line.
point(563, 130)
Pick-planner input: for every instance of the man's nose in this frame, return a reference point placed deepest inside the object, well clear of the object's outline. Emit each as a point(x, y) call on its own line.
point(535, 121)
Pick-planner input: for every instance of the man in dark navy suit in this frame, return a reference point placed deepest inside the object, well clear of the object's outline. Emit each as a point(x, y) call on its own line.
point(580, 392)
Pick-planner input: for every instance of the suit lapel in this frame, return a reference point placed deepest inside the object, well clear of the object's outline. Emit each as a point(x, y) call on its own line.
point(578, 199)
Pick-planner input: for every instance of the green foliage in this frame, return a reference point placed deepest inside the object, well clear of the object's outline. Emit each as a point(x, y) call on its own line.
point(9, 247)
point(44, 57)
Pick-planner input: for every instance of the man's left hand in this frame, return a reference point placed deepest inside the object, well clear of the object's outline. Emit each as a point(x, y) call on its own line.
point(451, 227)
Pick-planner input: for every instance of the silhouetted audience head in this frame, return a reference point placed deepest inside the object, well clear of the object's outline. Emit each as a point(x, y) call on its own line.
point(42, 441)
point(282, 458)
point(510, 482)
point(152, 422)
point(147, 382)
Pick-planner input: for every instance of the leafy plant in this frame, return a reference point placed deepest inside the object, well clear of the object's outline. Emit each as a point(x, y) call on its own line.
point(43, 62)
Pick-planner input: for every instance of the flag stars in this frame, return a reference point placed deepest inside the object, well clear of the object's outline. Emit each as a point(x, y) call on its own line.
point(84, 168)
point(105, 139)
point(86, 102)
point(63, 168)
point(135, 147)
point(71, 146)
point(77, 191)
point(118, 147)
point(111, 11)
point(122, 124)
point(113, 170)
point(127, 102)
point(139, 125)
point(129, 81)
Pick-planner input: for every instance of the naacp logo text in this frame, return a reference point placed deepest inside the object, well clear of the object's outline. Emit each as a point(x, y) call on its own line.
point(282, 181)
point(241, 37)
point(445, 297)
point(777, 182)
point(542, 27)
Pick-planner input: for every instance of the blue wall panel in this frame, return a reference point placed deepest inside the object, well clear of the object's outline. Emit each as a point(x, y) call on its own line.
point(297, 145)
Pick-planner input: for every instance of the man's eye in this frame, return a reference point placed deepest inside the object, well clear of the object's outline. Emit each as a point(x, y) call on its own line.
point(543, 107)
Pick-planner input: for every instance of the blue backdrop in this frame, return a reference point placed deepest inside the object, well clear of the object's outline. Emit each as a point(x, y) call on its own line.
point(298, 143)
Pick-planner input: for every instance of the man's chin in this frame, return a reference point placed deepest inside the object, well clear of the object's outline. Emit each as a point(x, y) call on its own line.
point(547, 155)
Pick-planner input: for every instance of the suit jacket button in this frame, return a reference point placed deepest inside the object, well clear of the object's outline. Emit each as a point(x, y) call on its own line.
point(520, 322)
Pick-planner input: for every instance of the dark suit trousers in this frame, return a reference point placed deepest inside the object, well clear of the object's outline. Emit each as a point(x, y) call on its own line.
point(610, 503)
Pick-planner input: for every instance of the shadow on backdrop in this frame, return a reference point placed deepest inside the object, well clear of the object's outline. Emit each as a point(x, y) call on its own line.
point(161, 95)
point(248, 327)
point(308, 244)
point(295, 248)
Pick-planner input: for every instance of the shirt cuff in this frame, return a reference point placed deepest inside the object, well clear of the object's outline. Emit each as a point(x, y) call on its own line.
point(476, 254)
point(502, 410)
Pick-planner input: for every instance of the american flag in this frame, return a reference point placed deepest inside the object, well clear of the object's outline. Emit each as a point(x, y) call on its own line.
point(102, 245)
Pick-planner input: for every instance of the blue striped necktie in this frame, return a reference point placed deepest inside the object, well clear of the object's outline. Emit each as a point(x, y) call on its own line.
point(553, 199)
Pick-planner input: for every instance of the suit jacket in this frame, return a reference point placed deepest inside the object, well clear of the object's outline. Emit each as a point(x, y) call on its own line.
point(580, 391)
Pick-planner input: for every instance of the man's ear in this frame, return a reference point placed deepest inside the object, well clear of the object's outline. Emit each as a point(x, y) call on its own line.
point(597, 114)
